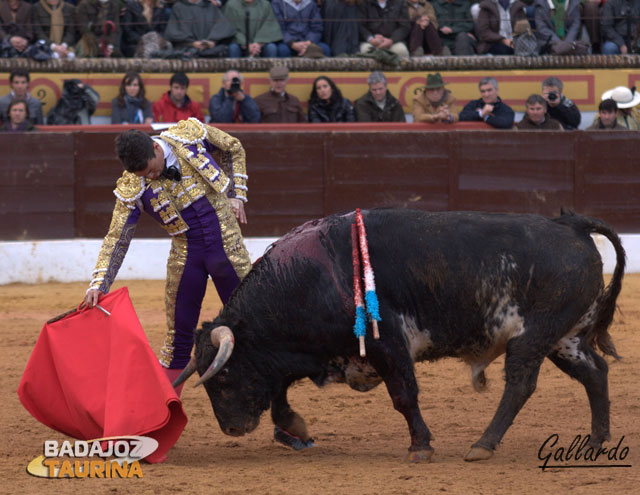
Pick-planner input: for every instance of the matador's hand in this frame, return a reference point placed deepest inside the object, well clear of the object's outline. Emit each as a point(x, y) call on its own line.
point(238, 210)
point(91, 298)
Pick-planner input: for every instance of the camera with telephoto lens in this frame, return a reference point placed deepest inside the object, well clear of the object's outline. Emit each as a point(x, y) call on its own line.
point(553, 96)
point(235, 85)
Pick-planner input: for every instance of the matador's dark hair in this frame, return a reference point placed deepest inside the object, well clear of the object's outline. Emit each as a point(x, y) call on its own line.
point(134, 149)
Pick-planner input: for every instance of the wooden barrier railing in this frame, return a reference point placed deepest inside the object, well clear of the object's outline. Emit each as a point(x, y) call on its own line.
point(59, 184)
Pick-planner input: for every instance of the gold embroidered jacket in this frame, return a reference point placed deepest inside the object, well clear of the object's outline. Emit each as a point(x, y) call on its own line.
point(212, 163)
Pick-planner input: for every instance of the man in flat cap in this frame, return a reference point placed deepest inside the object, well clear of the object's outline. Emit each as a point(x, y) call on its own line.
point(276, 105)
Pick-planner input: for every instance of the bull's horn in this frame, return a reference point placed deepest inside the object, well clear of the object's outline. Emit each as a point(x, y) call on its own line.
point(222, 338)
point(189, 370)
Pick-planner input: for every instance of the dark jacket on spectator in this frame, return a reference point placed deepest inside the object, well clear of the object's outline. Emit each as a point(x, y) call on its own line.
point(276, 108)
point(456, 15)
point(341, 28)
point(165, 110)
point(26, 126)
point(367, 110)
point(21, 26)
point(135, 25)
point(545, 30)
point(340, 111)
point(488, 27)
point(391, 22)
point(91, 16)
point(614, 24)
point(567, 113)
point(129, 113)
point(501, 118)
point(42, 23)
point(222, 106)
point(298, 24)
point(191, 22)
point(548, 124)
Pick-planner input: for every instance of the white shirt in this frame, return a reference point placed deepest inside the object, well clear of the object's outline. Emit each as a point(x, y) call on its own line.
point(170, 158)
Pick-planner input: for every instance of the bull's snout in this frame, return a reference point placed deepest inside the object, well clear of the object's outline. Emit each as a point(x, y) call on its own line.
point(234, 432)
point(239, 430)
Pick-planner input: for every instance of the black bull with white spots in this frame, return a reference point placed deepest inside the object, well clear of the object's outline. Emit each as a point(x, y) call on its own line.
point(454, 284)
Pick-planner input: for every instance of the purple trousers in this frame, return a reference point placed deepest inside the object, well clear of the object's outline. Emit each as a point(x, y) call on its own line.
point(212, 248)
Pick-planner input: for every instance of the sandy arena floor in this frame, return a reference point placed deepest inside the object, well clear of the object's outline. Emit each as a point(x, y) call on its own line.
point(361, 441)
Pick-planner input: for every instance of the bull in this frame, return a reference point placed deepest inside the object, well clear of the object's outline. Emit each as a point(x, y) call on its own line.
point(452, 284)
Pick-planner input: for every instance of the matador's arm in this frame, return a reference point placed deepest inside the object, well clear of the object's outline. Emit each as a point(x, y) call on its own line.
point(123, 225)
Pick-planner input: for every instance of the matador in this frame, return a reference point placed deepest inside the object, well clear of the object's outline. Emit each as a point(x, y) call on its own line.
point(192, 180)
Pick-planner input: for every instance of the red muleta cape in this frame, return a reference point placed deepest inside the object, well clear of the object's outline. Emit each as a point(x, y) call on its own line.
point(92, 376)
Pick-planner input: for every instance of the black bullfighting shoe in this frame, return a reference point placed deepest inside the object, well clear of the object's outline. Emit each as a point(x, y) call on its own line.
point(286, 438)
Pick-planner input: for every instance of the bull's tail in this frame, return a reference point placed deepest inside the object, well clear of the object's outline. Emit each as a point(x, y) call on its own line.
point(599, 335)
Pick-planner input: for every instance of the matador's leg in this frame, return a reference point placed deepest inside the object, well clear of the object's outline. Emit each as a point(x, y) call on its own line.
point(185, 289)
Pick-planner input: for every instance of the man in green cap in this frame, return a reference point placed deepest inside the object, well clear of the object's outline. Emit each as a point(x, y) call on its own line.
point(433, 103)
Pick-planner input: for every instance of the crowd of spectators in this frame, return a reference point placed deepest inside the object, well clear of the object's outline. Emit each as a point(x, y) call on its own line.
point(432, 103)
point(43, 29)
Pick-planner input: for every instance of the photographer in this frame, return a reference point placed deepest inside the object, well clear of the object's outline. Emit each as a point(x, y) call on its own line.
point(559, 106)
point(231, 105)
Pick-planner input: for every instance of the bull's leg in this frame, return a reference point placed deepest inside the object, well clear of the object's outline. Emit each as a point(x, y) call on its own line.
point(396, 369)
point(578, 360)
point(290, 428)
point(521, 374)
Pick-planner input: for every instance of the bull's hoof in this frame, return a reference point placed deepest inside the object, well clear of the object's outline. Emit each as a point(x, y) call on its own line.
point(478, 454)
point(596, 440)
point(421, 455)
point(286, 438)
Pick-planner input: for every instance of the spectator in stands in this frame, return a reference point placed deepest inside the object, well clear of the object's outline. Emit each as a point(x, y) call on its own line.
point(18, 118)
point(536, 117)
point(257, 30)
point(558, 28)
point(619, 22)
point(341, 30)
point(175, 105)
point(276, 105)
point(99, 28)
point(455, 26)
point(54, 22)
point(201, 25)
point(433, 103)
point(141, 17)
point(423, 38)
point(75, 107)
point(131, 106)
point(384, 24)
point(591, 21)
point(607, 118)
point(19, 82)
point(16, 31)
point(231, 104)
point(326, 103)
point(496, 22)
point(378, 104)
point(489, 107)
point(301, 27)
point(626, 99)
point(559, 106)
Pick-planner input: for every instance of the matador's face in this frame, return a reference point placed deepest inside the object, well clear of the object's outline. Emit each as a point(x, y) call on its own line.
point(155, 165)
